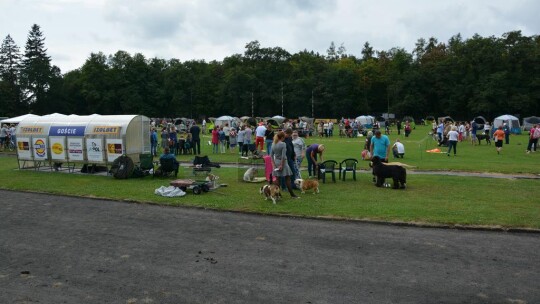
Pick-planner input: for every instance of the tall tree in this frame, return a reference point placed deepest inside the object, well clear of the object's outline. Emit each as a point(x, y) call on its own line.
point(36, 72)
point(10, 62)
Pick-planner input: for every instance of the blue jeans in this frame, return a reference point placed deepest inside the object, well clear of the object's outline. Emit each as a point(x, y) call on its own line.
point(268, 146)
point(311, 166)
point(452, 143)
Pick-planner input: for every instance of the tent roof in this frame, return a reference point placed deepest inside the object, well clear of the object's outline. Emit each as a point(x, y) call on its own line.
point(506, 117)
point(225, 117)
point(17, 119)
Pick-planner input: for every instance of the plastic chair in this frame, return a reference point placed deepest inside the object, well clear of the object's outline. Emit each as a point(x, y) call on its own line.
point(146, 163)
point(328, 167)
point(348, 165)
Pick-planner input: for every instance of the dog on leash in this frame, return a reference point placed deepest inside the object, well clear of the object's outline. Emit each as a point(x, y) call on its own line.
point(383, 171)
point(271, 191)
point(306, 184)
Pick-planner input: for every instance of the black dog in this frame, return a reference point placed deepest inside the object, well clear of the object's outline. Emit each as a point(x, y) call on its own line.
point(382, 171)
point(485, 137)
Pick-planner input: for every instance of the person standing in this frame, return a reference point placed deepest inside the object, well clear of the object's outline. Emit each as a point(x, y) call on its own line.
point(195, 138)
point(153, 142)
point(440, 131)
point(506, 130)
point(226, 131)
point(407, 128)
point(269, 138)
point(164, 138)
point(279, 162)
point(173, 140)
point(311, 155)
point(233, 139)
point(3, 136)
point(248, 134)
point(240, 138)
point(380, 146)
point(299, 150)
point(204, 126)
point(453, 137)
point(259, 136)
point(474, 129)
point(498, 136)
point(291, 155)
point(215, 140)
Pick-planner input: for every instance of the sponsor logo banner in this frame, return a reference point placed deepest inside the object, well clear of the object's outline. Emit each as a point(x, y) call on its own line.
point(67, 131)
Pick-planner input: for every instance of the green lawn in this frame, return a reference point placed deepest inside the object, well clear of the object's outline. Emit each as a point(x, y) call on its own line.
point(435, 199)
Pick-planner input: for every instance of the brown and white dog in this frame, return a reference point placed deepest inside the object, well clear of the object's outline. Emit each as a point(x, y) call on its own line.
point(271, 191)
point(306, 184)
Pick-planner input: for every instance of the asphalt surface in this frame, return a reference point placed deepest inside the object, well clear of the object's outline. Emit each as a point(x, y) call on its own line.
point(56, 249)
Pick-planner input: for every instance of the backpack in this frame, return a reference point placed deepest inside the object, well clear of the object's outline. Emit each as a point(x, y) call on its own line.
point(536, 133)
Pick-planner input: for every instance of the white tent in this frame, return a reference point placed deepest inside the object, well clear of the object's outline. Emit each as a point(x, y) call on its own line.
point(511, 121)
point(222, 120)
point(85, 139)
point(365, 120)
point(18, 119)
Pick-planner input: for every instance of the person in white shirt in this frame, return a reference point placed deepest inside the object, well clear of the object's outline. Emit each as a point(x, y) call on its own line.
point(453, 136)
point(398, 149)
point(259, 136)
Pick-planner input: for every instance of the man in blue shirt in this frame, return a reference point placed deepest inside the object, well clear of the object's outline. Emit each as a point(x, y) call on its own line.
point(380, 146)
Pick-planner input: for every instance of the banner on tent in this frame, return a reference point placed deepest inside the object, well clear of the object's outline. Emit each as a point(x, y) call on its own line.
point(23, 148)
point(75, 149)
point(94, 149)
point(67, 131)
point(114, 149)
point(58, 149)
point(40, 148)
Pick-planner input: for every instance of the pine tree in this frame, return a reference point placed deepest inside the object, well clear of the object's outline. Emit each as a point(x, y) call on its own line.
point(10, 60)
point(36, 71)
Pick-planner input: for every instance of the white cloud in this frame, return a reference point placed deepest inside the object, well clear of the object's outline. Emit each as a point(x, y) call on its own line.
point(214, 29)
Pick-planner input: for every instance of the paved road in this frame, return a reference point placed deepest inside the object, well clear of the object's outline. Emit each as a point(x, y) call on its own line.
point(56, 249)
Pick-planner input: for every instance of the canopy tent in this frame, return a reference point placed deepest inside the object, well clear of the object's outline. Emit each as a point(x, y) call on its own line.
point(511, 121)
point(274, 122)
point(93, 139)
point(183, 124)
point(366, 121)
point(247, 120)
point(529, 122)
point(445, 119)
point(480, 121)
point(18, 119)
point(279, 119)
point(231, 121)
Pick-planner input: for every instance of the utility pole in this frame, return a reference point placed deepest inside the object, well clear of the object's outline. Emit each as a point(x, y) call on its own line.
point(282, 99)
point(312, 105)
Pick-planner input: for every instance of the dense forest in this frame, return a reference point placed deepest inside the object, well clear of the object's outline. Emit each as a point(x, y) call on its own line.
point(462, 78)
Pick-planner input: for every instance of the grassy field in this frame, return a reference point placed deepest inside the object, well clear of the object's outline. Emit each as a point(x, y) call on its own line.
point(434, 199)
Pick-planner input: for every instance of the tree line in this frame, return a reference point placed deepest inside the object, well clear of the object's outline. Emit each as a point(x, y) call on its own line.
point(462, 78)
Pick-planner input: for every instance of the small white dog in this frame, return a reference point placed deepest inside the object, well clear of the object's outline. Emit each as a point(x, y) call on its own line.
point(250, 174)
point(307, 184)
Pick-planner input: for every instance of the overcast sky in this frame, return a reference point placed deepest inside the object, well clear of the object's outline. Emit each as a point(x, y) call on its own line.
point(215, 29)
